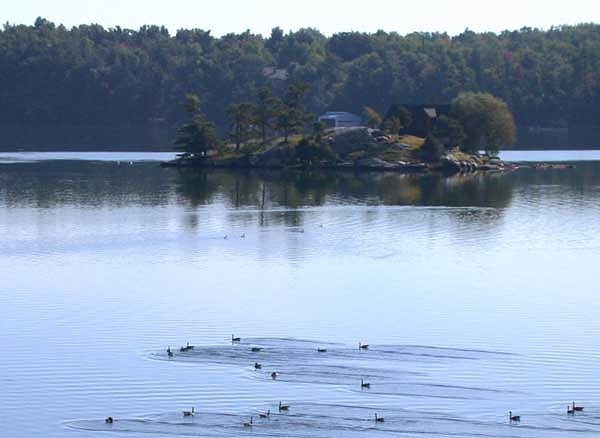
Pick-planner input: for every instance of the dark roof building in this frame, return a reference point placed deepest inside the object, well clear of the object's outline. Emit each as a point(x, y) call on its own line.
point(424, 116)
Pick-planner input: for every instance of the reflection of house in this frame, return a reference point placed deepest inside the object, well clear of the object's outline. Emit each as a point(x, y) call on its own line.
point(424, 117)
point(340, 119)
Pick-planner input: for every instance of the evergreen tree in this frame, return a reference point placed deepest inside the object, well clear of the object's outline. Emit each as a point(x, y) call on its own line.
point(241, 120)
point(198, 136)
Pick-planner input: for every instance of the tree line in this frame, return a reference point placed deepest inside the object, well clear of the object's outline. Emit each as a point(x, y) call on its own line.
point(89, 74)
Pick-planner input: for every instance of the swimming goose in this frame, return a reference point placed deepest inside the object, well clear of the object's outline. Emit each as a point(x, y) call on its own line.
point(284, 407)
point(274, 375)
point(577, 408)
point(189, 413)
point(512, 417)
point(255, 349)
point(109, 420)
point(257, 366)
point(363, 346)
point(186, 348)
point(322, 350)
point(248, 423)
point(169, 352)
point(378, 419)
point(570, 410)
point(265, 414)
point(364, 384)
point(234, 339)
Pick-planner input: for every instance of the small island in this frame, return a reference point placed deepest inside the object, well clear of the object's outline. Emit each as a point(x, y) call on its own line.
point(279, 133)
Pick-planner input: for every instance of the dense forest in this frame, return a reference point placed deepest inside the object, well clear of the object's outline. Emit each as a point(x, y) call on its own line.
point(88, 75)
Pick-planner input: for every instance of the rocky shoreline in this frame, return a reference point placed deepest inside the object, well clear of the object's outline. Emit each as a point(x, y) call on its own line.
point(445, 165)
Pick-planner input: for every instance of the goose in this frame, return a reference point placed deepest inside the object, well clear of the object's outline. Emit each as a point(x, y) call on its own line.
point(265, 414)
point(284, 407)
point(255, 349)
point(169, 352)
point(257, 366)
point(512, 417)
point(570, 410)
point(189, 413)
point(243, 236)
point(378, 419)
point(364, 384)
point(274, 375)
point(363, 346)
point(108, 420)
point(248, 423)
point(234, 339)
point(577, 408)
point(187, 347)
point(322, 350)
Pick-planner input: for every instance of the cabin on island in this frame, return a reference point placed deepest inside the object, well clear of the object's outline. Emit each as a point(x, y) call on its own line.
point(340, 119)
point(424, 116)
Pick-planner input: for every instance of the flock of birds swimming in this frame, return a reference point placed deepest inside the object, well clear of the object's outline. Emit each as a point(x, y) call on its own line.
point(571, 409)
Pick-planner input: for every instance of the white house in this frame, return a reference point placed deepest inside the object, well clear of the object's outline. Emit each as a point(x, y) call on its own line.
point(340, 119)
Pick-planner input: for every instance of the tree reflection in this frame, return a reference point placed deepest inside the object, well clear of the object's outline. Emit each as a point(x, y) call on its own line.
point(292, 190)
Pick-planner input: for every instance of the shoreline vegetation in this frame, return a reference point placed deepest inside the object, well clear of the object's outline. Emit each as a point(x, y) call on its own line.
point(279, 133)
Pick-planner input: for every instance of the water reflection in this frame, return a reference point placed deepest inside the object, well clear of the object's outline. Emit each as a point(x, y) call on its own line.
point(265, 190)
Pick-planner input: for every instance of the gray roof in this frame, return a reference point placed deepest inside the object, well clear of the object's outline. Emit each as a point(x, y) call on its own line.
point(431, 112)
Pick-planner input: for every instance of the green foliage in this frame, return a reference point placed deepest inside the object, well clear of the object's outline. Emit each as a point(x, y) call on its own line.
point(432, 150)
point(89, 74)
point(392, 125)
point(371, 117)
point(311, 152)
point(449, 129)
point(198, 136)
point(486, 121)
point(398, 117)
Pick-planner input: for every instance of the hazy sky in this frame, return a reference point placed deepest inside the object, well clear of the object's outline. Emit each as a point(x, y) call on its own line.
point(329, 16)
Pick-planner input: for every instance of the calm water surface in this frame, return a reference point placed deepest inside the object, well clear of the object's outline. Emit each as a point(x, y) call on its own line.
point(477, 294)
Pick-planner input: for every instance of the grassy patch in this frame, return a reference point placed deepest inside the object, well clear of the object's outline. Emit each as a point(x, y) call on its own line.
point(459, 156)
point(412, 141)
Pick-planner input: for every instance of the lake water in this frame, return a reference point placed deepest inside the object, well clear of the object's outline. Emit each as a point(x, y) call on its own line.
point(477, 294)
